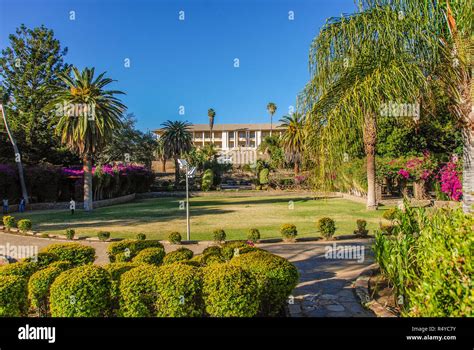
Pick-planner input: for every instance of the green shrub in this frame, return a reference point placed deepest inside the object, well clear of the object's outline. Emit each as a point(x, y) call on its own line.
point(229, 291)
point(361, 228)
point(129, 248)
point(83, 291)
point(24, 225)
point(76, 253)
point(140, 236)
point(179, 291)
point(13, 296)
point(288, 231)
point(174, 238)
point(213, 249)
point(116, 270)
point(103, 235)
point(39, 287)
point(181, 254)
point(42, 259)
point(44, 235)
point(276, 278)
point(212, 258)
point(22, 269)
point(231, 249)
point(386, 229)
point(207, 180)
point(327, 227)
point(263, 176)
point(152, 256)
point(70, 233)
point(253, 235)
point(8, 222)
point(219, 235)
point(138, 290)
point(390, 214)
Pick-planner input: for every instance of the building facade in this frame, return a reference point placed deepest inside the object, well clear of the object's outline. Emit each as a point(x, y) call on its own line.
point(236, 143)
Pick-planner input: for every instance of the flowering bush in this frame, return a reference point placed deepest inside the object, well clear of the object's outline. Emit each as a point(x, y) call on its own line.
point(450, 179)
point(418, 168)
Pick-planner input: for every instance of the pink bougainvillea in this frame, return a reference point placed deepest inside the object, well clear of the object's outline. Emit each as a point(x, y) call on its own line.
point(404, 173)
point(449, 177)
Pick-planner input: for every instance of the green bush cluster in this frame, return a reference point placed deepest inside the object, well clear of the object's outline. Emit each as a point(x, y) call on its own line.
point(219, 235)
point(126, 250)
point(103, 235)
point(13, 296)
point(21, 269)
point(207, 180)
point(8, 222)
point(24, 225)
point(253, 235)
point(327, 227)
point(83, 291)
point(231, 249)
point(276, 278)
point(42, 259)
point(140, 236)
point(116, 270)
point(390, 214)
point(70, 233)
point(174, 238)
point(76, 253)
point(181, 254)
point(152, 256)
point(361, 228)
point(428, 259)
point(229, 291)
point(288, 232)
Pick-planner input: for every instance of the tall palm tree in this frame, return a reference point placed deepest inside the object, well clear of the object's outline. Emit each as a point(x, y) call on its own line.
point(271, 108)
point(87, 116)
point(211, 114)
point(177, 140)
point(161, 154)
point(358, 64)
point(293, 139)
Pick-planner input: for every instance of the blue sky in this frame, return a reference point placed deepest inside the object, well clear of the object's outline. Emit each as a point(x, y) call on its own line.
point(187, 63)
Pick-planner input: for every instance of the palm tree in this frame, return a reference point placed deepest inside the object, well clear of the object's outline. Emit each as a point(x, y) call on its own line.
point(271, 108)
point(161, 154)
point(358, 64)
point(293, 139)
point(87, 116)
point(177, 140)
point(211, 114)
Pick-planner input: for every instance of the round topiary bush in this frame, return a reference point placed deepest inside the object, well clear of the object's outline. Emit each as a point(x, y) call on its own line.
point(288, 232)
point(179, 291)
point(138, 291)
point(21, 269)
point(42, 259)
point(116, 270)
point(8, 222)
point(390, 214)
point(181, 254)
point(212, 258)
point(24, 225)
point(127, 249)
point(219, 235)
point(213, 249)
point(140, 236)
point(174, 238)
point(263, 176)
point(253, 235)
point(13, 296)
point(231, 249)
point(83, 291)
point(327, 227)
point(70, 233)
point(76, 253)
point(361, 228)
point(229, 291)
point(276, 278)
point(152, 256)
point(103, 235)
point(39, 286)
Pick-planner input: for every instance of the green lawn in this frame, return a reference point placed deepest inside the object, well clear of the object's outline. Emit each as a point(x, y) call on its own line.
point(235, 214)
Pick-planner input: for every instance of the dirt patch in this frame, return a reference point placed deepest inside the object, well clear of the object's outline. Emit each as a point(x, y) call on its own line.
point(381, 291)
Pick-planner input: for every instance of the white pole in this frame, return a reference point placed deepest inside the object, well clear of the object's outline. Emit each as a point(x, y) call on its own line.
point(188, 233)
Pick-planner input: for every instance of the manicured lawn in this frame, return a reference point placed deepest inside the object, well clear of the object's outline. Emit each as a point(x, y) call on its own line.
point(235, 214)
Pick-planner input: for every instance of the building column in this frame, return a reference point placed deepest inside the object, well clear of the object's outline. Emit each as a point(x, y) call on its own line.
point(203, 138)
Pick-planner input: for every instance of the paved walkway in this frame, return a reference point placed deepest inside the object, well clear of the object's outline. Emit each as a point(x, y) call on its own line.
point(325, 287)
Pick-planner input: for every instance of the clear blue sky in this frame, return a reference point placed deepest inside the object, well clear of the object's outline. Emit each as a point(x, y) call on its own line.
point(187, 63)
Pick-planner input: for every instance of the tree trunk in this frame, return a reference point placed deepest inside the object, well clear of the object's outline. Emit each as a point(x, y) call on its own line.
point(297, 168)
point(176, 172)
point(24, 192)
point(163, 165)
point(87, 183)
point(419, 190)
point(468, 172)
point(370, 139)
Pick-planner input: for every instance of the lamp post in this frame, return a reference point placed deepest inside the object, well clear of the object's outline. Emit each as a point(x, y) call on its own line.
point(183, 164)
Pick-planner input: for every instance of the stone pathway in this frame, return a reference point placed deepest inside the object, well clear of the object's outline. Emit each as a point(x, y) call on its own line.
point(325, 286)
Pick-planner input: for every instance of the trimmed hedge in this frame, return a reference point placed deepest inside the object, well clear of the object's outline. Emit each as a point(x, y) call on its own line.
point(174, 238)
point(253, 235)
point(76, 253)
point(116, 270)
point(276, 278)
point(179, 291)
point(152, 256)
point(83, 291)
point(288, 231)
point(21, 269)
point(127, 249)
point(39, 286)
point(231, 249)
point(229, 291)
point(13, 296)
point(181, 254)
point(42, 259)
point(212, 258)
point(8, 222)
point(24, 225)
point(219, 235)
point(327, 227)
point(213, 249)
point(138, 290)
